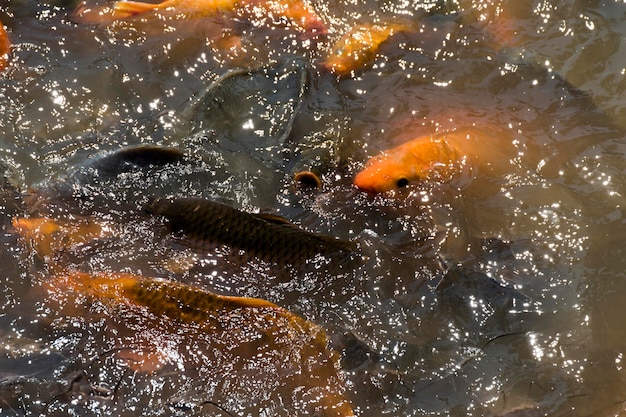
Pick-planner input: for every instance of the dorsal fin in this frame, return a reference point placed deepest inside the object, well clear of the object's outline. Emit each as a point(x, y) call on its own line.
point(273, 218)
point(247, 302)
point(131, 8)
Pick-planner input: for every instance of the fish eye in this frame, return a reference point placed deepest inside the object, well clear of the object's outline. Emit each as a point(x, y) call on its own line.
point(402, 182)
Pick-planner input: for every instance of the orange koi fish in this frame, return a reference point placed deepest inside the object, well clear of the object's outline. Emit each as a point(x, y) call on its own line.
point(298, 12)
point(359, 46)
point(123, 9)
point(286, 336)
point(5, 47)
point(48, 236)
point(163, 298)
point(398, 167)
point(428, 155)
point(503, 21)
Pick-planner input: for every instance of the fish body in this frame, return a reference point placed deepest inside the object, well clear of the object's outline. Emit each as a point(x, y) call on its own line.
point(414, 160)
point(298, 12)
point(190, 8)
point(48, 236)
point(5, 47)
point(124, 9)
point(130, 158)
point(177, 301)
point(288, 339)
point(207, 224)
point(359, 46)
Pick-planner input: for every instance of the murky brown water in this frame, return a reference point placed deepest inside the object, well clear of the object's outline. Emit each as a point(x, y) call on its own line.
point(499, 292)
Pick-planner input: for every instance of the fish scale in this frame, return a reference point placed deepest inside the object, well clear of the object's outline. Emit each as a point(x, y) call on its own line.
point(208, 224)
point(185, 303)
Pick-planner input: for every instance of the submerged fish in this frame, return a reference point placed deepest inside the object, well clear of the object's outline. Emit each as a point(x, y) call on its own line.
point(359, 46)
point(243, 97)
point(163, 298)
point(124, 9)
point(5, 47)
point(48, 236)
point(208, 224)
point(289, 340)
point(128, 159)
point(298, 12)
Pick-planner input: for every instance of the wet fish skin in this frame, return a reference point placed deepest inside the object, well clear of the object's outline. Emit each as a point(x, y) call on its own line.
point(284, 331)
point(131, 158)
point(5, 47)
point(359, 46)
point(187, 304)
point(298, 12)
point(484, 147)
point(124, 9)
point(207, 224)
point(163, 298)
point(398, 167)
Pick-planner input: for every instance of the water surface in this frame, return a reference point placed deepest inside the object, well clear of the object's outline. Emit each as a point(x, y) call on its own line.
point(499, 292)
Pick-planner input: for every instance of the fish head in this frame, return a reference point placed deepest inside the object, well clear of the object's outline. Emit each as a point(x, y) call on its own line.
point(412, 161)
point(384, 173)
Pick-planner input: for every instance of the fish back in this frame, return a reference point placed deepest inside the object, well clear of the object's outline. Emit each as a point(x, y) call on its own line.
point(208, 224)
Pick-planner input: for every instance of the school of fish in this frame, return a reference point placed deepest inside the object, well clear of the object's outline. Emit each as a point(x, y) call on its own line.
point(206, 225)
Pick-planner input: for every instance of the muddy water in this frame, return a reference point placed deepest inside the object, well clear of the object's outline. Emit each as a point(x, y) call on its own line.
point(499, 292)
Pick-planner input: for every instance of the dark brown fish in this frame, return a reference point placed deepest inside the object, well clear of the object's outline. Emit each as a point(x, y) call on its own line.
point(132, 158)
point(208, 224)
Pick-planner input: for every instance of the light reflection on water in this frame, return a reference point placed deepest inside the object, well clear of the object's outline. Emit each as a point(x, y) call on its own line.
point(498, 292)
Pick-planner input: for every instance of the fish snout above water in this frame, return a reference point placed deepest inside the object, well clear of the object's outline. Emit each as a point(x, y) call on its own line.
point(398, 167)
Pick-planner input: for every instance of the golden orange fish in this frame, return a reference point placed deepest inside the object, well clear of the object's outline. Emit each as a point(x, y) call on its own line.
point(5, 47)
point(436, 154)
point(47, 236)
point(298, 12)
point(286, 336)
point(359, 46)
point(398, 167)
point(124, 9)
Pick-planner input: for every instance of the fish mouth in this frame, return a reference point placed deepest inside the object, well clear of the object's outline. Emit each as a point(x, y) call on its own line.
point(362, 181)
point(366, 189)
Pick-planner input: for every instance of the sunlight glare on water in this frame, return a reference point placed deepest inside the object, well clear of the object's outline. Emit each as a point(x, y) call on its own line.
point(494, 289)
